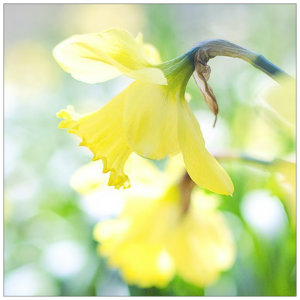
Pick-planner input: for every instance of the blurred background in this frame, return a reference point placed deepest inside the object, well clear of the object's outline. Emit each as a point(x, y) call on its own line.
point(49, 247)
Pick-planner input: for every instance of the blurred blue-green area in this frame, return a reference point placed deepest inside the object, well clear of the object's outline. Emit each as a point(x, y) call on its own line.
point(49, 247)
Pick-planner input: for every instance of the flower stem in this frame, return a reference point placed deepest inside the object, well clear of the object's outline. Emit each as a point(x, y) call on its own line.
point(186, 186)
point(245, 158)
point(211, 48)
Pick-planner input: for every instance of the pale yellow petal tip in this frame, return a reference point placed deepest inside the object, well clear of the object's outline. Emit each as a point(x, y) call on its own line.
point(58, 54)
point(223, 186)
point(228, 189)
point(224, 190)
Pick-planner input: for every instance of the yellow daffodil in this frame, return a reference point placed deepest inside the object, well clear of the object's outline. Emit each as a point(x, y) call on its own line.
point(151, 117)
point(157, 236)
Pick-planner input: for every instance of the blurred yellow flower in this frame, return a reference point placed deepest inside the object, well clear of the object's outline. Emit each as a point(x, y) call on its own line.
point(156, 237)
point(150, 117)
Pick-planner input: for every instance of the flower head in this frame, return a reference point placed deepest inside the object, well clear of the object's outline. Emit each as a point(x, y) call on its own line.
point(157, 235)
point(150, 117)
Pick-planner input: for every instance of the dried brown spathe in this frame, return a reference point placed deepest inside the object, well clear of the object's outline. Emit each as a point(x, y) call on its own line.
point(201, 76)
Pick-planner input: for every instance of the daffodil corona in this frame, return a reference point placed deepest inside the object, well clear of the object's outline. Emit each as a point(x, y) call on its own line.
point(150, 117)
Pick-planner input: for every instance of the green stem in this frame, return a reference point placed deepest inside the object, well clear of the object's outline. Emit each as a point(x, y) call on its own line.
point(212, 48)
point(243, 157)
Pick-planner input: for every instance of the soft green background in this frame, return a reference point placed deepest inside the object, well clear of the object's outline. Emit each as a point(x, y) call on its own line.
point(49, 249)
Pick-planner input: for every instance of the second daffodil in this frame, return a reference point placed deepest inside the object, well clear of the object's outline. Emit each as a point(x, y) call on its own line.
point(150, 117)
point(167, 226)
point(174, 228)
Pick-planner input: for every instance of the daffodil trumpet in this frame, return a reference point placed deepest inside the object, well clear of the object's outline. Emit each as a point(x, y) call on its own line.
point(151, 117)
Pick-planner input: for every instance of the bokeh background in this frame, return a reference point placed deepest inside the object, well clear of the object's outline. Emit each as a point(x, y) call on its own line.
point(49, 247)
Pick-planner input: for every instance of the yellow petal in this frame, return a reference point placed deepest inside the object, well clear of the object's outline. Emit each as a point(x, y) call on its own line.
point(201, 246)
point(135, 241)
point(146, 179)
point(102, 133)
point(153, 218)
point(151, 52)
point(145, 264)
point(150, 120)
point(202, 167)
point(110, 233)
point(140, 257)
point(102, 56)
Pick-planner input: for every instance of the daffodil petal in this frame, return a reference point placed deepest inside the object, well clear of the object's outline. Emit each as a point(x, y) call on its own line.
point(201, 245)
point(135, 242)
point(202, 167)
point(102, 56)
point(152, 53)
point(102, 133)
point(150, 120)
point(146, 264)
point(153, 75)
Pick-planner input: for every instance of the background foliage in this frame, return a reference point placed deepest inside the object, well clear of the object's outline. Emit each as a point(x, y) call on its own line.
point(49, 248)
